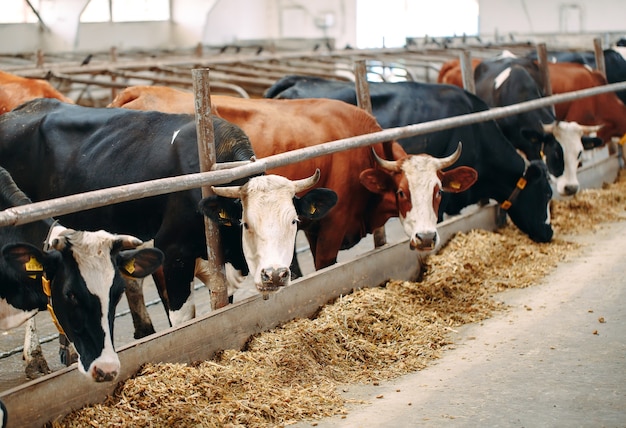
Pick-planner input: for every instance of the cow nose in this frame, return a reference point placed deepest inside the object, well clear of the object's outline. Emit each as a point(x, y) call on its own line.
point(424, 241)
point(277, 277)
point(570, 189)
point(105, 372)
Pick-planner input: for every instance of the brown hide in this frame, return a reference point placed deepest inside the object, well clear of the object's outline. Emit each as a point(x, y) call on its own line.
point(277, 126)
point(16, 90)
point(606, 109)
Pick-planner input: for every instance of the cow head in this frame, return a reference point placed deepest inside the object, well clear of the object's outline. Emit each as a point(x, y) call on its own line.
point(418, 182)
point(269, 211)
point(573, 139)
point(85, 284)
point(529, 203)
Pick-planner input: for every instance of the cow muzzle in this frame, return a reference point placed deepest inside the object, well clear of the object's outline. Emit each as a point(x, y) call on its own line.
point(104, 371)
point(273, 279)
point(426, 241)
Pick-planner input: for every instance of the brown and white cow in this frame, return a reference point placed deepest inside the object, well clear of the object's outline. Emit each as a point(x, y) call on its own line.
point(16, 90)
point(370, 190)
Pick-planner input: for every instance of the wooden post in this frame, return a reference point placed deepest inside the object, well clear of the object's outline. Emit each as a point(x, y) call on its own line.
point(365, 102)
point(599, 53)
point(467, 72)
point(542, 61)
point(207, 157)
point(113, 52)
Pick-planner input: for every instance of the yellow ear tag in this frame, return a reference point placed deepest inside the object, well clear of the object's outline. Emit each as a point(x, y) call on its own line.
point(130, 266)
point(224, 216)
point(622, 141)
point(33, 265)
point(455, 185)
point(312, 209)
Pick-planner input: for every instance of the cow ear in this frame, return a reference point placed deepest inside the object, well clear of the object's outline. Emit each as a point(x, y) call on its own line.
point(221, 210)
point(140, 263)
point(458, 179)
point(315, 204)
point(376, 181)
point(591, 142)
point(24, 259)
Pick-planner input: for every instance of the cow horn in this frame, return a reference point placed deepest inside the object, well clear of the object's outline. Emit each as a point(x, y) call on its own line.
point(228, 191)
point(548, 128)
point(447, 161)
point(307, 183)
point(129, 241)
point(386, 164)
point(588, 129)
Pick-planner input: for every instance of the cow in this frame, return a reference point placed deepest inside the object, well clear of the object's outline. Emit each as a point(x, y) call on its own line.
point(16, 90)
point(370, 189)
point(269, 210)
point(605, 110)
point(504, 81)
point(54, 149)
point(78, 277)
point(502, 172)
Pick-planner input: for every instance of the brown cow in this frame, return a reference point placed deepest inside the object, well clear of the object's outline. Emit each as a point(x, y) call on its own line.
point(606, 109)
point(407, 186)
point(16, 90)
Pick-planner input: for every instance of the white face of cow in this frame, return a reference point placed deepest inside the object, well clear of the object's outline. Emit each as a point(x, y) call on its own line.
point(270, 223)
point(569, 135)
point(269, 220)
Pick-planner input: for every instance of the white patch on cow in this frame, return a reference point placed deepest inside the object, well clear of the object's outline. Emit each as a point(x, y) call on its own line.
point(569, 135)
point(92, 253)
point(240, 287)
point(174, 136)
point(421, 174)
point(620, 50)
point(588, 67)
point(186, 312)
point(269, 223)
point(501, 78)
point(506, 54)
point(11, 317)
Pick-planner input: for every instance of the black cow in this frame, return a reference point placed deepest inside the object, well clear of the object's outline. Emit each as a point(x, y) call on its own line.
point(485, 148)
point(55, 149)
point(504, 81)
point(614, 62)
point(80, 275)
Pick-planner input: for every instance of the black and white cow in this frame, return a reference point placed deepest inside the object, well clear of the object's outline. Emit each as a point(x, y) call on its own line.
point(508, 80)
point(502, 172)
point(79, 276)
point(54, 149)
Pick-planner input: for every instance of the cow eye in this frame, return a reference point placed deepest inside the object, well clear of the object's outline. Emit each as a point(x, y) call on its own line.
point(245, 226)
point(294, 221)
point(400, 193)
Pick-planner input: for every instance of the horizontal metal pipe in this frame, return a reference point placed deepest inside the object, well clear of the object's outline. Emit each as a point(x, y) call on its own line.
point(68, 204)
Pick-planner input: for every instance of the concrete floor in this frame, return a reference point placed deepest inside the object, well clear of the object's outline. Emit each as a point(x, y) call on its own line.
point(557, 358)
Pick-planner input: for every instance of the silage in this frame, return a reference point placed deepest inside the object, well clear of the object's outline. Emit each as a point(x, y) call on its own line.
point(292, 372)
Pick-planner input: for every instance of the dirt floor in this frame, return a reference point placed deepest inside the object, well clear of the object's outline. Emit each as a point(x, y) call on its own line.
point(555, 358)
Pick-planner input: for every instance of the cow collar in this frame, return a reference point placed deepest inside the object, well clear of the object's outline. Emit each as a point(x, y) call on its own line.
point(45, 283)
point(519, 186)
point(47, 290)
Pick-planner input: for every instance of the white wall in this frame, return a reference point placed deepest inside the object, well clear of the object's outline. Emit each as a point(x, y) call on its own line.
point(550, 16)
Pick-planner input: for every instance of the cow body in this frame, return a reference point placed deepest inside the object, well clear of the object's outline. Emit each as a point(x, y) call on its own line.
point(278, 126)
point(614, 63)
point(84, 270)
point(16, 90)
point(485, 148)
point(606, 109)
point(54, 149)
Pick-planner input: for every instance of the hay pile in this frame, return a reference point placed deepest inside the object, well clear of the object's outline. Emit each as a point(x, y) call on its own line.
point(292, 372)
